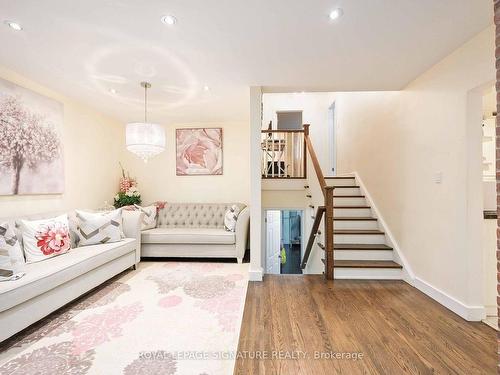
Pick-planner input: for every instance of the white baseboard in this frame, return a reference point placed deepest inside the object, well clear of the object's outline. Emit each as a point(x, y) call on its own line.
point(255, 274)
point(490, 310)
point(469, 313)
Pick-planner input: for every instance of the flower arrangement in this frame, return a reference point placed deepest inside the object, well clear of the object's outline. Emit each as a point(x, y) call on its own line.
point(128, 194)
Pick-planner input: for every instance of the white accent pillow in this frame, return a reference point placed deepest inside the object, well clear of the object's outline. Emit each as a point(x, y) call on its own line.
point(99, 227)
point(43, 239)
point(230, 218)
point(11, 254)
point(149, 218)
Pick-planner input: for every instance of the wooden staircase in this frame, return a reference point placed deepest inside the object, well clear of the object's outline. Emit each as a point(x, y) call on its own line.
point(355, 244)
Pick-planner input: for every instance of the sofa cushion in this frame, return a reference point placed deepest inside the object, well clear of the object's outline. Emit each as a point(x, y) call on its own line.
point(44, 276)
point(188, 236)
point(194, 215)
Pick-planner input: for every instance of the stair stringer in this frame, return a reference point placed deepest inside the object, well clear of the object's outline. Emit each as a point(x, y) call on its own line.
point(406, 272)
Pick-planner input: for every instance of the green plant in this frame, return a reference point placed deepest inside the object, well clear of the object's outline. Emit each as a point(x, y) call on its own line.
point(130, 197)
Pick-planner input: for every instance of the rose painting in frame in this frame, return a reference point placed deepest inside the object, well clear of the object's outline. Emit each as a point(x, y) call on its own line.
point(31, 160)
point(199, 151)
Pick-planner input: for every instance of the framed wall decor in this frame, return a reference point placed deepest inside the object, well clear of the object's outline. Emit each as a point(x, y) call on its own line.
point(198, 151)
point(31, 158)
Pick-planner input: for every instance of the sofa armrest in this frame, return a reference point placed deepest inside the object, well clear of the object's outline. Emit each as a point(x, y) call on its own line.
point(241, 231)
point(132, 229)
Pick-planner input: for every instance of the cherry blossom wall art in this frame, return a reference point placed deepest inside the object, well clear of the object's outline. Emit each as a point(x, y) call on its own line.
point(199, 151)
point(31, 159)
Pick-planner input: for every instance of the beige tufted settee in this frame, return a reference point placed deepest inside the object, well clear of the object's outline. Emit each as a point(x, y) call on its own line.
point(196, 230)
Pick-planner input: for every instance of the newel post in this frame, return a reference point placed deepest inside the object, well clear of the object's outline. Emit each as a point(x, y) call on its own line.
point(329, 241)
point(306, 129)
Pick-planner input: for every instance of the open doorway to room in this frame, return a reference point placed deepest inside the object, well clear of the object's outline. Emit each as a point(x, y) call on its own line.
point(489, 206)
point(284, 239)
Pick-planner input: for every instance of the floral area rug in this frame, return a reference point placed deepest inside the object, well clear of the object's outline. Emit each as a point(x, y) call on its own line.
point(165, 318)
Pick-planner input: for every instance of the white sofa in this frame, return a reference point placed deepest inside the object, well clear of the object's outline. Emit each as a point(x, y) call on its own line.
point(196, 230)
point(52, 283)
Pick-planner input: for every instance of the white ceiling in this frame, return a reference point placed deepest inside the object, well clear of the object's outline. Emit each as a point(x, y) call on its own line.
point(83, 48)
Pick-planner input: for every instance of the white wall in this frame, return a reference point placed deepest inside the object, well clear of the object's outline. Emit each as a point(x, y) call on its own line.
point(256, 245)
point(92, 145)
point(398, 142)
point(490, 266)
point(158, 181)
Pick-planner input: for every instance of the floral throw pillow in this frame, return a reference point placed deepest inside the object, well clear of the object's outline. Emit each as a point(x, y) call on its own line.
point(11, 254)
point(230, 218)
point(148, 218)
point(43, 239)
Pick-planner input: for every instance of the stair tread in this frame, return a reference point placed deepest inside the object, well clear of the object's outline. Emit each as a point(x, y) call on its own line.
point(340, 177)
point(357, 231)
point(354, 218)
point(343, 246)
point(366, 264)
point(351, 206)
point(347, 187)
point(349, 196)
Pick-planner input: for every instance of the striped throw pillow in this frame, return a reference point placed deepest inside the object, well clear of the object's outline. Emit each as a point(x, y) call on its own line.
point(100, 227)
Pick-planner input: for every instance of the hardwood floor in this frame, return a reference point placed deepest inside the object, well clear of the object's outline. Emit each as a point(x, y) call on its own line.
point(396, 328)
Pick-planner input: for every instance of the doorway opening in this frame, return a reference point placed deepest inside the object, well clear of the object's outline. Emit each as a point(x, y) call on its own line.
point(489, 205)
point(284, 239)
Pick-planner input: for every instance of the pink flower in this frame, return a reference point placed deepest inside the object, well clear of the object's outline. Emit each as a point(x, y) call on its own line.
point(53, 239)
point(160, 205)
point(99, 328)
point(126, 183)
point(169, 301)
point(199, 151)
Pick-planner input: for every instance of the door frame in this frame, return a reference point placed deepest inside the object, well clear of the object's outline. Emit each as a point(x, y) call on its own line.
point(332, 132)
point(264, 231)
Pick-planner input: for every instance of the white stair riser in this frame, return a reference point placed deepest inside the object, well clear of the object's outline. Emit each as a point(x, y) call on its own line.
point(368, 273)
point(363, 254)
point(349, 201)
point(355, 224)
point(359, 238)
point(356, 212)
point(341, 181)
point(347, 191)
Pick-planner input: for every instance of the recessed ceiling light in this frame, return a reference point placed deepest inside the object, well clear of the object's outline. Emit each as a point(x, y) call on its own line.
point(169, 20)
point(206, 88)
point(336, 14)
point(14, 25)
point(112, 91)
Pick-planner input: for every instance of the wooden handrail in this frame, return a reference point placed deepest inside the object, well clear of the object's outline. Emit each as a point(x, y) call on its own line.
point(314, 159)
point(327, 210)
point(310, 242)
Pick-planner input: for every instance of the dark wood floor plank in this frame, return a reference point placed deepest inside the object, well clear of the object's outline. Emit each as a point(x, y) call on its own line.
point(397, 328)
